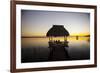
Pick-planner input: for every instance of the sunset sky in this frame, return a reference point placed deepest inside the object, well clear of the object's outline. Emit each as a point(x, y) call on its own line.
point(37, 23)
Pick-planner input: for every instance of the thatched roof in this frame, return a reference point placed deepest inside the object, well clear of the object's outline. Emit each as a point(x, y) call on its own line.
point(57, 30)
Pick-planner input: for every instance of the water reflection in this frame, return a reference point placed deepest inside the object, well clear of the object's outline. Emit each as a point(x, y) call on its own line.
point(39, 50)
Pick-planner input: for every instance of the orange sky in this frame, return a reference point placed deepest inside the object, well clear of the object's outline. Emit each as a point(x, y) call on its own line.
point(37, 23)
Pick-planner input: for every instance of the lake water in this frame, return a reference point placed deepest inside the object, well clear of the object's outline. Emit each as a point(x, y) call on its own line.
point(37, 49)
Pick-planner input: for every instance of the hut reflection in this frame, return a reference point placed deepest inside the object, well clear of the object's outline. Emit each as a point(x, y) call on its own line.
point(58, 48)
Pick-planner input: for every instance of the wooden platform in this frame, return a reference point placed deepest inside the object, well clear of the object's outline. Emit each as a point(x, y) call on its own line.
point(58, 51)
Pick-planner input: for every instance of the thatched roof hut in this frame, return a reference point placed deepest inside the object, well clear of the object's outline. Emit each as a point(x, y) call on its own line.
point(57, 30)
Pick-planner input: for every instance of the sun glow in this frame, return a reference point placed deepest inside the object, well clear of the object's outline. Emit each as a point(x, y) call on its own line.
point(77, 24)
point(80, 34)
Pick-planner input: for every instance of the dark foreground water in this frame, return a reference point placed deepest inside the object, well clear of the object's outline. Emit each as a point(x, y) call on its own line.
point(37, 50)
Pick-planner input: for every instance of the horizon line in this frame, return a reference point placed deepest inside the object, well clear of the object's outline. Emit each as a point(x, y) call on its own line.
point(47, 36)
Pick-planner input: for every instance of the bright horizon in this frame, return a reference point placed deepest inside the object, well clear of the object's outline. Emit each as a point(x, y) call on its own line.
point(37, 23)
point(84, 34)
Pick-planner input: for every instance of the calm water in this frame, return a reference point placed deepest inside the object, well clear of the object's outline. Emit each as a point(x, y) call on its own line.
point(37, 49)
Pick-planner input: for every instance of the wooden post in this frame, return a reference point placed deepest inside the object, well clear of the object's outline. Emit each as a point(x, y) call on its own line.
point(66, 38)
point(77, 37)
point(49, 38)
